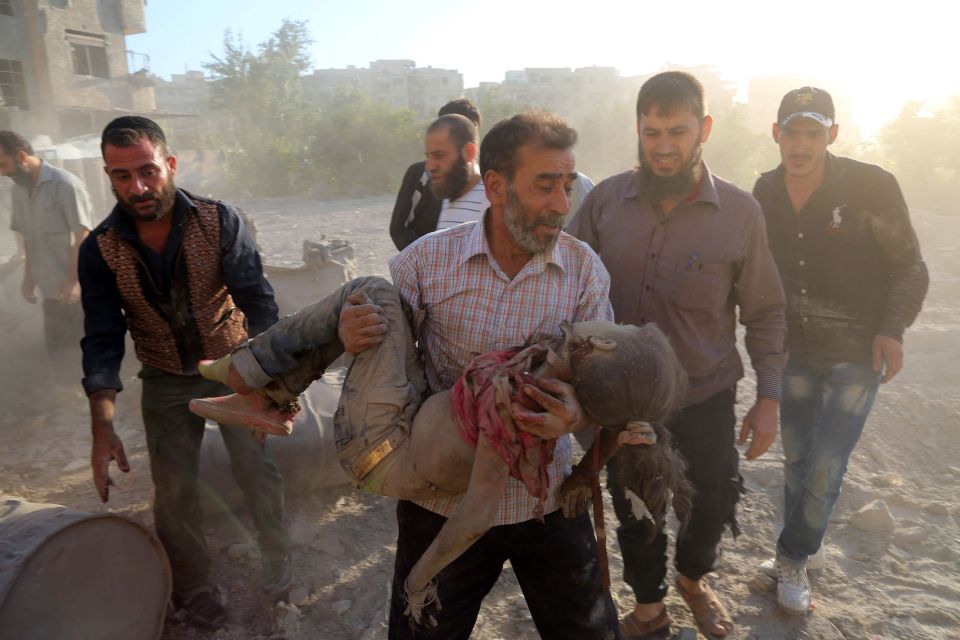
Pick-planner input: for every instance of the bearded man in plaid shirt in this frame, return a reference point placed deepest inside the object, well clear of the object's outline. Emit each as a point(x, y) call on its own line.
point(504, 281)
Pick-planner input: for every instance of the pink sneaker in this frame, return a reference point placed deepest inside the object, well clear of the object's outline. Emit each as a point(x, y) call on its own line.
point(252, 411)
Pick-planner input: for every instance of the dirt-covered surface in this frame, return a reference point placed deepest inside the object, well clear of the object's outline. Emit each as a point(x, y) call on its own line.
point(881, 582)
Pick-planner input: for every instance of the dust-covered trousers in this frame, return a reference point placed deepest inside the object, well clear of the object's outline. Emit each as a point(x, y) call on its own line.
point(824, 409)
point(174, 436)
point(384, 387)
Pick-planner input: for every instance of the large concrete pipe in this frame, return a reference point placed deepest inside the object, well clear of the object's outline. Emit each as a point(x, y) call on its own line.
point(67, 574)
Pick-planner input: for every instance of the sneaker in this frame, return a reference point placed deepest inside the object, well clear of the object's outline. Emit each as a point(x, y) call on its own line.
point(252, 411)
point(204, 608)
point(793, 587)
point(816, 562)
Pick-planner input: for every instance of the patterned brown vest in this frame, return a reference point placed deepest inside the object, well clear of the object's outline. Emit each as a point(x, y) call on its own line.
point(205, 309)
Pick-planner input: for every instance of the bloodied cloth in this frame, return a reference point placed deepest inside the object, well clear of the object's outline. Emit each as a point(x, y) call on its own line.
point(481, 402)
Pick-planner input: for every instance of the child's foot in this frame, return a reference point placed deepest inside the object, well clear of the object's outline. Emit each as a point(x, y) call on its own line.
point(251, 411)
point(222, 370)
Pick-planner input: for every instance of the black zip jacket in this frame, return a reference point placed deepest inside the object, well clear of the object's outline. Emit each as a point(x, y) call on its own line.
point(849, 261)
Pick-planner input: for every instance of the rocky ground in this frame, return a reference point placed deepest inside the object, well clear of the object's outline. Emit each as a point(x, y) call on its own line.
point(893, 558)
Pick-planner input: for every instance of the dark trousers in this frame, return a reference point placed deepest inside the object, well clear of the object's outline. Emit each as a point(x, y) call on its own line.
point(555, 563)
point(62, 331)
point(704, 435)
point(173, 442)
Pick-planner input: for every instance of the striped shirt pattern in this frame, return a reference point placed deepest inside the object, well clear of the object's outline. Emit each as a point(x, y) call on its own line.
point(467, 208)
point(463, 305)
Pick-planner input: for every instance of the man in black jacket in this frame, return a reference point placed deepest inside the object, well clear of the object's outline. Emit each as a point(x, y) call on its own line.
point(183, 276)
point(417, 210)
point(854, 279)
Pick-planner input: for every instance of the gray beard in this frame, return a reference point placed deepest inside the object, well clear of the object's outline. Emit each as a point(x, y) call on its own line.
point(675, 187)
point(521, 227)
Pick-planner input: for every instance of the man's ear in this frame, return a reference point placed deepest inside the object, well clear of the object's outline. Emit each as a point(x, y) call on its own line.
point(496, 186)
point(706, 126)
point(469, 152)
point(21, 157)
point(834, 130)
point(775, 130)
point(172, 164)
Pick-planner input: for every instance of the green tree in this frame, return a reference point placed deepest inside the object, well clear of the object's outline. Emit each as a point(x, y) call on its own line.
point(736, 153)
point(922, 149)
point(269, 122)
point(361, 146)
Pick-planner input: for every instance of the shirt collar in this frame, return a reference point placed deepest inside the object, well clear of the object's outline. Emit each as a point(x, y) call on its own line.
point(706, 190)
point(46, 173)
point(476, 244)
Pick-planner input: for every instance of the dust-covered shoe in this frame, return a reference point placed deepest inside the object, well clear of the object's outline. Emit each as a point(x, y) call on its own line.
point(204, 607)
point(252, 411)
point(793, 587)
point(277, 578)
point(816, 562)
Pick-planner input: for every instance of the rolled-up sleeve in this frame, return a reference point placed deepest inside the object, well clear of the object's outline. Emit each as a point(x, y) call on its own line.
point(759, 294)
point(242, 271)
point(103, 321)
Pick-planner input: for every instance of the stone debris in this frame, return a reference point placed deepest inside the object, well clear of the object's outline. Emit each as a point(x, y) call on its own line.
point(910, 536)
point(340, 607)
point(874, 517)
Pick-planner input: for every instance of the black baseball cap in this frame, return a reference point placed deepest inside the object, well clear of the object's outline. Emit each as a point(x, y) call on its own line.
point(807, 102)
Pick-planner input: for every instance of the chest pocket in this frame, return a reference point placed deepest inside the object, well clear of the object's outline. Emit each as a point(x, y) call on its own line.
point(699, 284)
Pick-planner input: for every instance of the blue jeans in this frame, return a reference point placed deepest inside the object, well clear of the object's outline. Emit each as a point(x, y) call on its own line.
point(822, 415)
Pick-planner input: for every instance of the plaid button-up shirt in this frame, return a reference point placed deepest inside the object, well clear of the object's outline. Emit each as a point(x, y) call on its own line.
point(463, 305)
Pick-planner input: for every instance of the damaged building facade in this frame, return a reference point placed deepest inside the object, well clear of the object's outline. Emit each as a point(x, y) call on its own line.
point(65, 70)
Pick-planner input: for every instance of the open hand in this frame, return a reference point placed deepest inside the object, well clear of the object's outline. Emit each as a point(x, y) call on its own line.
point(107, 446)
point(887, 351)
point(761, 421)
point(563, 413)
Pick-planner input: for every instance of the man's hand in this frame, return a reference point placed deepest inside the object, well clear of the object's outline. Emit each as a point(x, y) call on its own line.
point(28, 289)
point(107, 446)
point(887, 350)
point(106, 443)
point(362, 323)
point(762, 421)
point(576, 493)
point(563, 411)
point(70, 291)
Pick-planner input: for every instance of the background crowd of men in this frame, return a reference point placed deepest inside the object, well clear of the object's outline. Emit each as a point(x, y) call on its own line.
point(820, 264)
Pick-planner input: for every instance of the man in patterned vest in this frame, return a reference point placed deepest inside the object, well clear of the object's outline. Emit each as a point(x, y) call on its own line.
point(183, 275)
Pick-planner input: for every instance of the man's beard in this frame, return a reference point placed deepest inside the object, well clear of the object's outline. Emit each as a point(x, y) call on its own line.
point(523, 227)
point(679, 185)
point(454, 181)
point(163, 203)
point(21, 176)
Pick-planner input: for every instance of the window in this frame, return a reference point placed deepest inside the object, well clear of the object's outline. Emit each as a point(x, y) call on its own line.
point(6, 7)
point(13, 88)
point(89, 52)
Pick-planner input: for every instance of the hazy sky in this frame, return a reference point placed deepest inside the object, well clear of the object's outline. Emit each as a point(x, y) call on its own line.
point(881, 56)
